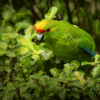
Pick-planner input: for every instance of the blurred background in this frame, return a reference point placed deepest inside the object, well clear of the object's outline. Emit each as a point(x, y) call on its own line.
point(83, 13)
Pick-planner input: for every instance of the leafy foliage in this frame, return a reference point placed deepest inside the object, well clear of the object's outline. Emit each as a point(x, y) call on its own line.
point(28, 69)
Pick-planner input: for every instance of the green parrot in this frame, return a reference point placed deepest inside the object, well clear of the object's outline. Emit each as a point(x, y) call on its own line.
point(67, 41)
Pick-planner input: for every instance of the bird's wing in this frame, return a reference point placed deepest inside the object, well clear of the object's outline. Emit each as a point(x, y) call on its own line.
point(81, 45)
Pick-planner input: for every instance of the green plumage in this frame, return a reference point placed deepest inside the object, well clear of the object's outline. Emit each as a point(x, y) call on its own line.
point(67, 41)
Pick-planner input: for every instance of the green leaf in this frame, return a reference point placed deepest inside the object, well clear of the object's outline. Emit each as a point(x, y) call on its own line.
point(62, 94)
point(7, 69)
point(91, 95)
point(75, 63)
point(75, 89)
point(3, 25)
point(7, 61)
point(23, 24)
point(9, 95)
point(18, 27)
point(3, 46)
point(80, 76)
point(54, 72)
point(75, 83)
point(8, 29)
point(28, 31)
point(87, 63)
point(27, 64)
point(17, 67)
point(95, 71)
point(47, 56)
point(43, 80)
point(35, 46)
point(21, 14)
point(2, 52)
point(37, 91)
point(23, 89)
point(40, 72)
point(7, 12)
point(22, 41)
point(34, 76)
point(31, 84)
point(10, 86)
point(10, 54)
point(74, 94)
point(26, 95)
point(68, 68)
point(97, 58)
point(23, 50)
point(25, 70)
point(8, 36)
point(26, 23)
point(48, 90)
point(51, 13)
point(91, 82)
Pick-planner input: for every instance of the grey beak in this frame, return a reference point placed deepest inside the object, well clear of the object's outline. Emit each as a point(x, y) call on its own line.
point(39, 36)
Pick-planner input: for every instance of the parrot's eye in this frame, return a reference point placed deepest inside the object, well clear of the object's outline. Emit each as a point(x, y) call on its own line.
point(48, 30)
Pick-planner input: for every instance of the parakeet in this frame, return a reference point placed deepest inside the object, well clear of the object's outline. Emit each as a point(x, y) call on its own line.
point(67, 41)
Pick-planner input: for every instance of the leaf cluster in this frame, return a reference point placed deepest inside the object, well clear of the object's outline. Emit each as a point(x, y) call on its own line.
point(30, 71)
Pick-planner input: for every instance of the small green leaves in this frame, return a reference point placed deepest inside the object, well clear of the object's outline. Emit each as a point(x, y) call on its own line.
point(74, 94)
point(68, 68)
point(80, 76)
point(91, 95)
point(23, 89)
point(91, 82)
point(11, 54)
point(54, 72)
point(95, 71)
point(23, 50)
point(38, 91)
point(48, 55)
point(97, 59)
point(51, 13)
point(76, 84)
point(75, 63)
point(40, 72)
point(3, 47)
point(62, 94)
point(18, 26)
point(31, 84)
point(8, 95)
point(22, 41)
point(26, 95)
point(7, 12)
point(87, 63)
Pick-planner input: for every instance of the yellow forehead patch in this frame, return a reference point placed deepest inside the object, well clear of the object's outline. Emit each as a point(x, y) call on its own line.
point(53, 29)
point(40, 25)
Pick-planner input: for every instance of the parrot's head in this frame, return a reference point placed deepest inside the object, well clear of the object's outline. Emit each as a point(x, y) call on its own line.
point(46, 28)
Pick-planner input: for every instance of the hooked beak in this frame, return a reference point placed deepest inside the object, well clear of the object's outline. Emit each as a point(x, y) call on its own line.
point(39, 34)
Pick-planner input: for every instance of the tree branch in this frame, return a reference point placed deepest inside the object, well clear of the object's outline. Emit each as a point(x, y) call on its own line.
point(68, 11)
